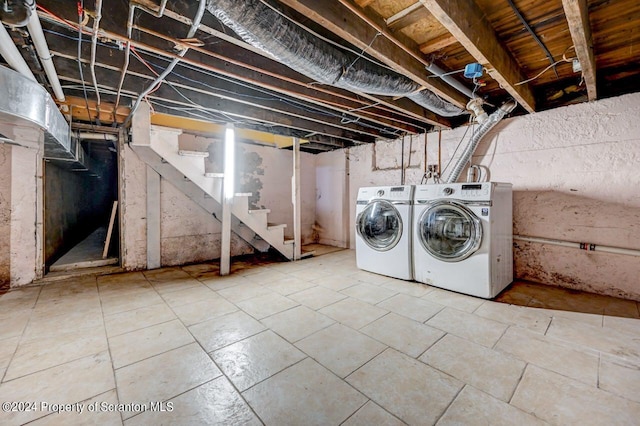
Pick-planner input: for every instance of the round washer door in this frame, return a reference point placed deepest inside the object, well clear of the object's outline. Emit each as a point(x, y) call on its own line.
point(449, 231)
point(379, 225)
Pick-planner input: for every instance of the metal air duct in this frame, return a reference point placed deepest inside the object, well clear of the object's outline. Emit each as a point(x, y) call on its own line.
point(266, 29)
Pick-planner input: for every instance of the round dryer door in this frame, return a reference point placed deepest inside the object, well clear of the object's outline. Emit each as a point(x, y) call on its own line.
point(449, 231)
point(379, 225)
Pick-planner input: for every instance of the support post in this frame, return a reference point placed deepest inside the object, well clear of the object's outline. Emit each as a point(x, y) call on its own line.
point(295, 200)
point(228, 189)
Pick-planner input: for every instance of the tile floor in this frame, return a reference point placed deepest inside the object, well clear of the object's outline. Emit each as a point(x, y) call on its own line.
point(312, 342)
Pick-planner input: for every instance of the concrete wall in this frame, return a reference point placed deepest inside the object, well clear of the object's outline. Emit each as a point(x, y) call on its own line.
point(574, 175)
point(20, 206)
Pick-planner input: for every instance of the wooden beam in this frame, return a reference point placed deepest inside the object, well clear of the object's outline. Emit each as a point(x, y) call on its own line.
point(437, 43)
point(465, 20)
point(364, 3)
point(340, 19)
point(577, 12)
point(406, 17)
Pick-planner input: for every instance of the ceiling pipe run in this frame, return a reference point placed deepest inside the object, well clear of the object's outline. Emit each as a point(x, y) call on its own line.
point(40, 43)
point(268, 30)
point(10, 53)
point(442, 74)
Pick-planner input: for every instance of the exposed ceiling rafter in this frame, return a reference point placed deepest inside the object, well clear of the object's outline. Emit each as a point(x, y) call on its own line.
point(465, 20)
point(577, 12)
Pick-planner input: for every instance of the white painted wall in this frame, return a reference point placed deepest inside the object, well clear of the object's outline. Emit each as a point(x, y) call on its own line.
point(575, 177)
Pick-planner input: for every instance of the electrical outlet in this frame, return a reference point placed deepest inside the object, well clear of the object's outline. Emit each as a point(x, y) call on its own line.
point(577, 66)
point(433, 168)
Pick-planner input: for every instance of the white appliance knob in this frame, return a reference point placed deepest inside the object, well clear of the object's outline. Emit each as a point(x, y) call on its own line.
point(447, 191)
point(380, 193)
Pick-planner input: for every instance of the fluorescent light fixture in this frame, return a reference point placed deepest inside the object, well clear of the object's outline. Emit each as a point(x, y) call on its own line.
point(229, 162)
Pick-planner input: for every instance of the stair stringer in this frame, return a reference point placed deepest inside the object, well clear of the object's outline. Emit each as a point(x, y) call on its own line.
point(196, 194)
point(192, 169)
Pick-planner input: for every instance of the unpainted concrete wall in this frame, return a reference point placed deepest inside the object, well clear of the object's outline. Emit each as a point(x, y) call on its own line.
point(574, 172)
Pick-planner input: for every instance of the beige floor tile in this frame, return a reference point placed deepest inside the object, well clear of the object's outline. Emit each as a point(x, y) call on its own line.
point(411, 307)
point(461, 302)
point(266, 276)
point(40, 354)
point(289, 285)
point(297, 323)
point(311, 273)
point(353, 313)
point(563, 401)
point(194, 313)
point(403, 334)
point(168, 280)
point(256, 358)
point(474, 407)
point(372, 414)
point(407, 388)
point(80, 304)
point(68, 383)
point(587, 318)
point(122, 303)
point(189, 295)
point(621, 344)
point(408, 287)
point(14, 324)
point(266, 305)
point(101, 417)
point(619, 378)
point(548, 353)
point(488, 370)
point(317, 297)
point(336, 282)
point(124, 322)
point(147, 342)
point(468, 326)
point(19, 299)
point(238, 293)
point(302, 395)
point(7, 349)
point(70, 322)
point(127, 279)
point(627, 325)
point(521, 316)
point(340, 348)
point(164, 376)
point(227, 281)
point(70, 288)
point(214, 403)
point(371, 278)
point(224, 330)
point(369, 293)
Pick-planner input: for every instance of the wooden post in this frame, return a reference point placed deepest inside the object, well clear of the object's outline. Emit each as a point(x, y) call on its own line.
point(112, 219)
point(296, 200)
point(227, 199)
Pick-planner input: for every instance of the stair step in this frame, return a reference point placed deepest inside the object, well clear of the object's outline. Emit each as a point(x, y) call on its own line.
point(266, 211)
point(271, 226)
point(306, 254)
point(289, 241)
point(214, 175)
point(187, 153)
point(243, 194)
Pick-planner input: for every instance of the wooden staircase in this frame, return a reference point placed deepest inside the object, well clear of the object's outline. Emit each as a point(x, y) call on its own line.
point(186, 168)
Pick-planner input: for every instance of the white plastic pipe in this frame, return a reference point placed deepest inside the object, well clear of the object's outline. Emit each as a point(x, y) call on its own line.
point(581, 246)
point(10, 53)
point(40, 43)
point(97, 136)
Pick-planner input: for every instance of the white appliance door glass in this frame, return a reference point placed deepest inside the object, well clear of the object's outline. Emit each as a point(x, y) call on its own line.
point(449, 231)
point(379, 225)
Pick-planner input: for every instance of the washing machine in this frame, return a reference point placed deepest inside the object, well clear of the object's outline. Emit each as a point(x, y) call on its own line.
point(463, 237)
point(383, 230)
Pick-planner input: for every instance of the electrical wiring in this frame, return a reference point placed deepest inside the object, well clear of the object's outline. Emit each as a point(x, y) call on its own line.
point(564, 59)
point(445, 74)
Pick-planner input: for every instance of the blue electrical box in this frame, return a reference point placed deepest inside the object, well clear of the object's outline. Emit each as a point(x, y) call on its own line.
point(473, 70)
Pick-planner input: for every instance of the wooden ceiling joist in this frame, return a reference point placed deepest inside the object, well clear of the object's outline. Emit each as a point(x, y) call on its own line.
point(465, 20)
point(437, 43)
point(338, 19)
point(577, 13)
point(406, 17)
